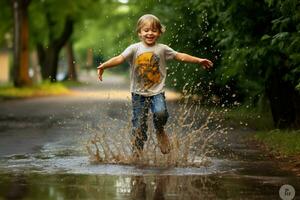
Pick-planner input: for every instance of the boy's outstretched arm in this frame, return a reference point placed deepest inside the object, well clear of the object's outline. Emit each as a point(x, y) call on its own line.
point(117, 60)
point(192, 59)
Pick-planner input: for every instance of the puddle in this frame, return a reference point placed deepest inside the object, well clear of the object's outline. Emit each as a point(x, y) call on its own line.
point(154, 187)
point(81, 165)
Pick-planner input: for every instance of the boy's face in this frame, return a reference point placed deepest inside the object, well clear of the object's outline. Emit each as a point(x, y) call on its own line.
point(149, 34)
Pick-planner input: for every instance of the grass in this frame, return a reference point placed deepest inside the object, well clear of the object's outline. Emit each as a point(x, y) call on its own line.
point(250, 117)
point(44, 89)
point(70, 83)
point(283, 142)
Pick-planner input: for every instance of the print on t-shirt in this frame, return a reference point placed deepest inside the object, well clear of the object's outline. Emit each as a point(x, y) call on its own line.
point(147, 70)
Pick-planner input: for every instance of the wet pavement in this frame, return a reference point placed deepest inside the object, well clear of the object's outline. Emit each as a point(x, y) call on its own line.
point(43, 154)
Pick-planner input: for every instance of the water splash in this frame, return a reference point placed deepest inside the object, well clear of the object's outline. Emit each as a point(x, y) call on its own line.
point(191, 130)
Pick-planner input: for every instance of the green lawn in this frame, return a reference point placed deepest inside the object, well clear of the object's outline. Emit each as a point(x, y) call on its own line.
point(283, 142)
point(250, 117)
point(44, 89)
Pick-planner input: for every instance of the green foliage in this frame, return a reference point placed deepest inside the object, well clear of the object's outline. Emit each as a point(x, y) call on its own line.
point(286, 37)
point(47, 17)
point(107, 33)
point(254, 38)
point(6, 21)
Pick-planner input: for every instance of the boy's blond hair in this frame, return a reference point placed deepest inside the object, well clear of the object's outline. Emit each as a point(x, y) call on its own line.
point(154, 21)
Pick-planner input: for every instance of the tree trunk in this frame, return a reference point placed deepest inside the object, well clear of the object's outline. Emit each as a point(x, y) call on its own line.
point(36, 68)
point(284, 100)
point(89, 59)
point(46, 60)
point(296, 105)
point(21, 43)
point(72, 75)
point(42, 60)
point(48, 56)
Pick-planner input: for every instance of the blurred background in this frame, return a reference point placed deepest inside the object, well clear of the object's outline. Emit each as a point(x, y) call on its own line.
point(51, 48)
point(254, 44)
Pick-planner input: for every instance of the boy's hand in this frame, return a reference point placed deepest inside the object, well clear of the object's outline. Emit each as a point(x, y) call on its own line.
point(206, 64)
point(100, 71)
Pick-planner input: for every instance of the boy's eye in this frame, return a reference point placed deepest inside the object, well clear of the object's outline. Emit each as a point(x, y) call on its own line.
point(147, 30)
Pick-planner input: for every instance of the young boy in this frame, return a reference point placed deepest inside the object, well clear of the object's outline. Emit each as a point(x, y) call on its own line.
point(147, 60)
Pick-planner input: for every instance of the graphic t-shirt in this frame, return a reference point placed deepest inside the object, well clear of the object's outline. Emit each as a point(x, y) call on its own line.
point(148, 67)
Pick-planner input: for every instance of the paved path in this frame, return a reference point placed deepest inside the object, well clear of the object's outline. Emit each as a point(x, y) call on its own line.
point(29, 126)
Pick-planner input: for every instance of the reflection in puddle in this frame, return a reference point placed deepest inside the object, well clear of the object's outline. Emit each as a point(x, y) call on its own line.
point(33, 186)
point(165, 187)
point(71, 186)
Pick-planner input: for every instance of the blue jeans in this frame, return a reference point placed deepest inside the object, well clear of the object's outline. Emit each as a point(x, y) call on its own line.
point(140, 106)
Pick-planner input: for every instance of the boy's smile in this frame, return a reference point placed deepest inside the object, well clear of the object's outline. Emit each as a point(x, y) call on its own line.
point(149, 34)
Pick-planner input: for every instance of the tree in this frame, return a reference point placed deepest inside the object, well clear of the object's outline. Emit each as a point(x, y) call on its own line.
point(21, 43)
point(53, 26)
point(255, 46)
point(260, 47)
point(283, 81)
point(48, 56)
point(72, 75)
point(6, 21)
point(105, 33)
